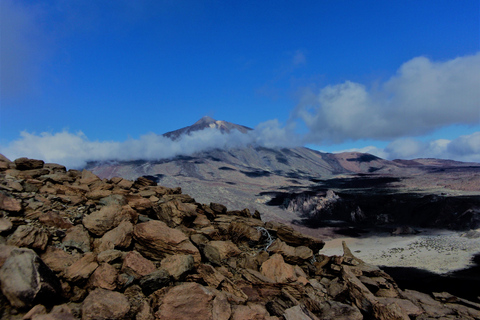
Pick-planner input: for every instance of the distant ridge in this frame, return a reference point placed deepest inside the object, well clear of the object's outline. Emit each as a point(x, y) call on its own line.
point(204, 123)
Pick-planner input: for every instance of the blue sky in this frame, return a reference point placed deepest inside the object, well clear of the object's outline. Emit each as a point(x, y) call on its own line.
point(400, 79)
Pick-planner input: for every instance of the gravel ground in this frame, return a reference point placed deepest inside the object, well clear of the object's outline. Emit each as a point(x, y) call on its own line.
point(438, 251)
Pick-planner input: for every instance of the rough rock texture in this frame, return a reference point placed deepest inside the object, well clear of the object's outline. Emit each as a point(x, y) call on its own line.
point(73, 246)
point(25, 279)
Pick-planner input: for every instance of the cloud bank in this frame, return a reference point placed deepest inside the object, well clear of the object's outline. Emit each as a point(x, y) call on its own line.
point(421, 97)
point(464, 148)
point(74, 150)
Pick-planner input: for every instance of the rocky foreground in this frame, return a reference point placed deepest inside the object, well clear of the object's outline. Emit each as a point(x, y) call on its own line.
point(73, 246)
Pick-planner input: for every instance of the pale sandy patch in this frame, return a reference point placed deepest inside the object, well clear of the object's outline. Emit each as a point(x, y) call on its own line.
point(438, 251)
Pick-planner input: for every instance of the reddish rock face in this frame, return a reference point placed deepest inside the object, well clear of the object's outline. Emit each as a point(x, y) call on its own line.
point(277, 270)
point(187, 301)
point(9, 204)
point(136, 265)
point(155, 239)
point(104, 304)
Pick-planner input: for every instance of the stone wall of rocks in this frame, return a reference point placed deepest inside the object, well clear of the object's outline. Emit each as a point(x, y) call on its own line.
point(73, 246)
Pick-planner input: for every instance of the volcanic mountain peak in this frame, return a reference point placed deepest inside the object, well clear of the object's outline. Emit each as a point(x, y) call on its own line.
point(205, 123)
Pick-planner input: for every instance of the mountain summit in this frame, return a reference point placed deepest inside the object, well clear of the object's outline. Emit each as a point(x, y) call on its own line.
point(205, 123)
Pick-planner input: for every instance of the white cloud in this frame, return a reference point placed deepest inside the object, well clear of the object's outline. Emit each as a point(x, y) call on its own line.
point(464, 148)
point(74, 150)
point(422, 97)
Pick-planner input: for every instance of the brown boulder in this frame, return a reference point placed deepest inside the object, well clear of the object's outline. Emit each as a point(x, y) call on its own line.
point(77, 238)
point(26, 280)
point(57, 259)
point(240, 231)
point(82, 268)
point(104, 277)
point(143, 182)
point(175, 213)
point(218, 251)
point(294, 255)
point(178, 265)
point(155, 240)
point(5, 225)
point(29, 236)
point(187, 301)
point(136, 265)
point(8, 203)
point(277, 270)
point(117, 238)
point(102, 304)
point(107, 218)
point(251, 311)
point(28, 164)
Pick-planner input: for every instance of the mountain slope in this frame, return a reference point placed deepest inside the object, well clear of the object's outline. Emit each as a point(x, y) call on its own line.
point(286, 183)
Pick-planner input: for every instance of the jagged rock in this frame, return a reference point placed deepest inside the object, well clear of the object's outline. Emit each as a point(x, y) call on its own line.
point(210, 275)
point(334, 310)
point(242, 232)
point(117, 238)
point(155, 239)
point(218, 208)
point(60, 312)
point(432, 307)
point(143, 182)
point(139, 307)
point(28, 164)
point(188, 301)
point(77, 238)
point(176, 213)
point(154, 281)
point(277, 270)
point(104, 277)
point(299, 313)
point(82, 268)
point(5, 225)
point(102, 304)
point(110, 256)
point(251, 311)
point(293, 237)
point(295, 255)
point(410, 308)
point(125, 184)
point(218, 251)
point(178, 265)
point(57, 259)
point(53, 219)
point(26, 280)
point(29, 236)
point(136, 265)
point(88, 178)
point(107, 218)
point(8, 203)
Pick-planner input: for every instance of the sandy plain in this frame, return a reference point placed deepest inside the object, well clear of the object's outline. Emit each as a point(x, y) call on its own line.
point(439, 251)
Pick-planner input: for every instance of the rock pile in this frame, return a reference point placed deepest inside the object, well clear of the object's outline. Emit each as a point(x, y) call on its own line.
point(73, 246)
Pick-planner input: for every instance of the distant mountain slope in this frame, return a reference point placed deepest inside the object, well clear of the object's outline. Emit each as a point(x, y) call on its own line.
point(268, 179)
